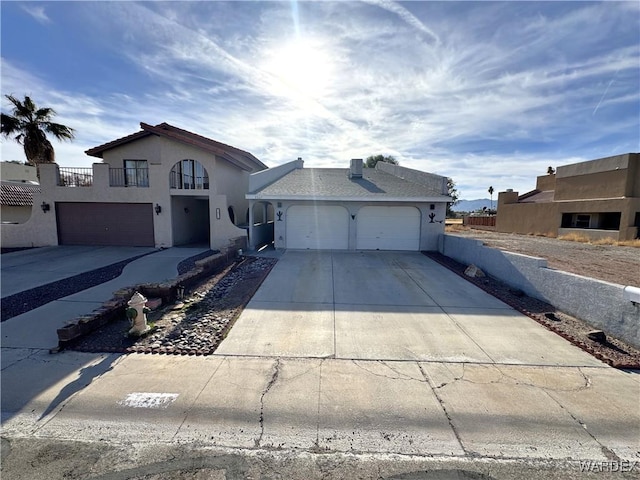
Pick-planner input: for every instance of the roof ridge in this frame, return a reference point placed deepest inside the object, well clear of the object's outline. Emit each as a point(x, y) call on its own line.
point(206, 140)
point(234, 155)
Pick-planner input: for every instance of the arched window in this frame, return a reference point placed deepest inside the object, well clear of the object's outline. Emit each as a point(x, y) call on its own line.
point(189, 175)
point(232, 215)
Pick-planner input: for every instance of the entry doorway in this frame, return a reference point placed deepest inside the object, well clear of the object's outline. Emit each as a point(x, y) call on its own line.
point(190, 218)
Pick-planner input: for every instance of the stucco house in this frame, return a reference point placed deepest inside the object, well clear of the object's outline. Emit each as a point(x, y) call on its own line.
point(16, 201)
point(597, 199)
point(161, 186)
point(384, 208)
point(19, 183)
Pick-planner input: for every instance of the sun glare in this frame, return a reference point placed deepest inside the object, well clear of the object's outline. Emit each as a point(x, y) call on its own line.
point(302, 67)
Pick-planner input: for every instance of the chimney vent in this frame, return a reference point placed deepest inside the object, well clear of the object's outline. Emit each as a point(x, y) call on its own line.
point(356, 168)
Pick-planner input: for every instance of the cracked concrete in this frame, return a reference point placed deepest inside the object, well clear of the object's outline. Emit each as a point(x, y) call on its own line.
point(272, 381)
point(419, 380)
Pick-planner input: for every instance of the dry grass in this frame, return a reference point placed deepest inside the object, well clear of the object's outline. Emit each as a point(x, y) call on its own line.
point(456, 228)
point(576, 237)
point(629, 243)
point(540, 234)
point(604, 241)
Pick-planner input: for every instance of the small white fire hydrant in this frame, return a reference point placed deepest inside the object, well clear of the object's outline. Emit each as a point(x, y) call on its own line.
point(137, 314)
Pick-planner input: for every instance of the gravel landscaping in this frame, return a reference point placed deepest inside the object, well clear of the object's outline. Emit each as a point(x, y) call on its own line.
point(197, 324)
point(194, 326)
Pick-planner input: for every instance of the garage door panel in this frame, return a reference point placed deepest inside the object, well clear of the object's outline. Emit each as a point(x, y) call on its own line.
point(388, 228)
point(114, 224)
point(321, 227)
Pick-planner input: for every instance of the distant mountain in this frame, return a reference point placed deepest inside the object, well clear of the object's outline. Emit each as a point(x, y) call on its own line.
point(473, 205)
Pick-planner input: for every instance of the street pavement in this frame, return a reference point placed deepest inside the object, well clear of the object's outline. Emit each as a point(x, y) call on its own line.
point(372, 354)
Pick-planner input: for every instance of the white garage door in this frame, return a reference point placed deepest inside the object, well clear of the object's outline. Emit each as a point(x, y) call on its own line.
point(321, 227)
point(388, 228)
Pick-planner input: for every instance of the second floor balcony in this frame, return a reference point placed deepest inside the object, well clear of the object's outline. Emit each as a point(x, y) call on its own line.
point(118, 177)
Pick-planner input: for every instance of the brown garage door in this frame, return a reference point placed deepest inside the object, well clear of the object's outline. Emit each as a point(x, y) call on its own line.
point(129, 224)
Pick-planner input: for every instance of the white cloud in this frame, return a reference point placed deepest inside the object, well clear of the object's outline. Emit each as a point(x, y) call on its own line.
point(406, 16)
point(37, 12)
point(490, 94)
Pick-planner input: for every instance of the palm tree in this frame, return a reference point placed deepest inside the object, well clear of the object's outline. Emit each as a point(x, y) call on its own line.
point(30, 125)
point(491, 193)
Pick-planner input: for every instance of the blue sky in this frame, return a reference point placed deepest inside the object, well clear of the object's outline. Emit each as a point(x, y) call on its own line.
point(486, 93)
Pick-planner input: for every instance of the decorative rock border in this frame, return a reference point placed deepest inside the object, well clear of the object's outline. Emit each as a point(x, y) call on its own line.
point(196, 324)
point(166, 292)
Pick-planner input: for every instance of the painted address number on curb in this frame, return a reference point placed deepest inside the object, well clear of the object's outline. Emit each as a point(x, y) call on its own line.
point(149, 400)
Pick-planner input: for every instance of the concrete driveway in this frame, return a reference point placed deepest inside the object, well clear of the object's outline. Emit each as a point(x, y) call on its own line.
point(36, 329)
point(381, 352)
point(27, 269)
point(387, 306)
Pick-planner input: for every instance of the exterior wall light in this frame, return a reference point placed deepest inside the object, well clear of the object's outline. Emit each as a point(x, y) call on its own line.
point(158, 209)
point(45, 207)
point(217, 214)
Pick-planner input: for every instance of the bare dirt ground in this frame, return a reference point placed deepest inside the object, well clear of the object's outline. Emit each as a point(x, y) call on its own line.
point(610, 263)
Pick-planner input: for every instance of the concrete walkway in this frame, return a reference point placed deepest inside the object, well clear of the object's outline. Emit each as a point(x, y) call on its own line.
point(27, 269)
point(28, 369)
point(348, 352)
point(37, 328)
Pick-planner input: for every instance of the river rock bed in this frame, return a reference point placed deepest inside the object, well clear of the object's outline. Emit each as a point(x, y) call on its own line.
point(194, 325)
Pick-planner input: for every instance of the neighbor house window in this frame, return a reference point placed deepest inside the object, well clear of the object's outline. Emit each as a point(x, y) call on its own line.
point(599, 220)
point(583, 221)
point(189, 175)
point(136, 173)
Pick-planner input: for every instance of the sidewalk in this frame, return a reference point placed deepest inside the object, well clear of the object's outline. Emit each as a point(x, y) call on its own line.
point(37, 328)
point(510, 407)
point(28, 369)
point(415, 408)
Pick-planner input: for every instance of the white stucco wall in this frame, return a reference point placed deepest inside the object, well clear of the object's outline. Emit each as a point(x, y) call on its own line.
point(15, 214)
point(429, 231)
point(601, 304)
point(39, 231)
point(161, 154)
point(18, 172)
point(234, 184)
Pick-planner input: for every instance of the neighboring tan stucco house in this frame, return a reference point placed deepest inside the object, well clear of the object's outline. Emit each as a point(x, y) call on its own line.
point(161, 186)
point(383, 208)
point(598, 199)
point(19, 183)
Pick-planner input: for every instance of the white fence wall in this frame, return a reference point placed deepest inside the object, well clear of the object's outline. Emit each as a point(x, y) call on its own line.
point(601, 304)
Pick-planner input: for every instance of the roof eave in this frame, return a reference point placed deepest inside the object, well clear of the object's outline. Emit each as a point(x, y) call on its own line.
point(204, 143)
point(100, 149)
point(320, 198)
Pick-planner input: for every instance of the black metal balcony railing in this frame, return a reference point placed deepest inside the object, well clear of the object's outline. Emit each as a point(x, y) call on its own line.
point(188, 182)
point(128, 177)
point(75, 177)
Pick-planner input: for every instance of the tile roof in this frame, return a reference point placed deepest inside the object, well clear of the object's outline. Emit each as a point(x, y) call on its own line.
point(237, 157)
point(17, 194)
point(334, 183)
